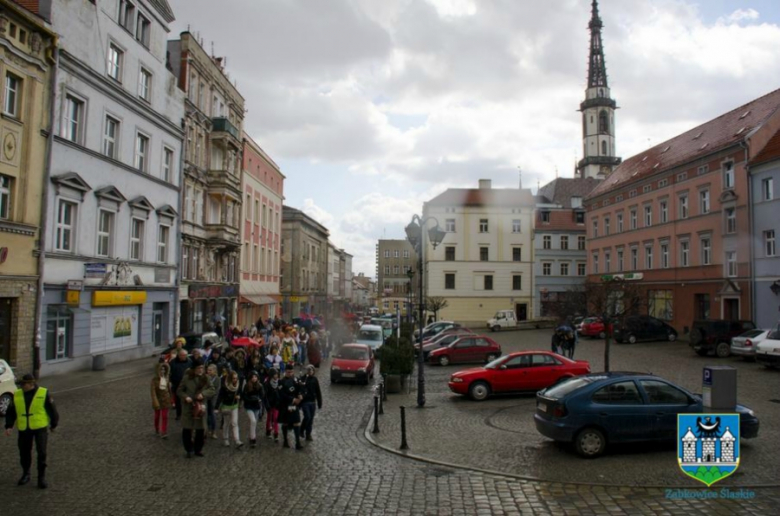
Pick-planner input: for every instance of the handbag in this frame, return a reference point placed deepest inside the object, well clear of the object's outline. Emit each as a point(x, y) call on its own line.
point(197, 409)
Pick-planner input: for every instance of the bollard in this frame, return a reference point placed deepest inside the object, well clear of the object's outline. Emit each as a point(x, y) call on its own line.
point(376, 415)
point(404, 445)
point(384, 388)
point(381, 395)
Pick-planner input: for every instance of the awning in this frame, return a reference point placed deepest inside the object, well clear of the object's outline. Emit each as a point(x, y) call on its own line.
point(257, 299)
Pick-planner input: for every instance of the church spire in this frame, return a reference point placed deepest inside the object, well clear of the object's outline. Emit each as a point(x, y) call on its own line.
point(597, 68)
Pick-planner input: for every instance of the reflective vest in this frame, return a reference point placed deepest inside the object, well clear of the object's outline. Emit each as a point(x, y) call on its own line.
point(37, 417)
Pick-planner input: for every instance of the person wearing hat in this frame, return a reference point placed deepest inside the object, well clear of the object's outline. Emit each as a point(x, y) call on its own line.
point(193, 392)
point(33, 412)
point(312, 400)
point(179, 367)
point(291, 394)
point(253, 395)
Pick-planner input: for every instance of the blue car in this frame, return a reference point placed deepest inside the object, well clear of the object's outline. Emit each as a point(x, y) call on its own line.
point(596, 409)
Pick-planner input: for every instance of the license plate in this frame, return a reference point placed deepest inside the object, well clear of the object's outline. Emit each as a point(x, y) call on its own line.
point(542, 407)
point(348, 375)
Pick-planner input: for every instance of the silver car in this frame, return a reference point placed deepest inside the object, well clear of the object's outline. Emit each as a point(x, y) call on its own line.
point(745, 345)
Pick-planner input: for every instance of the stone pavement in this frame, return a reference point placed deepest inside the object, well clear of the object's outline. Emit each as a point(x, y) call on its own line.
point(105, 459)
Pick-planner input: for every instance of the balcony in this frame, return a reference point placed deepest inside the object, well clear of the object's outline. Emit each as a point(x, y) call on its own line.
point(224, 182)
point(223, 130)
point(220, 234)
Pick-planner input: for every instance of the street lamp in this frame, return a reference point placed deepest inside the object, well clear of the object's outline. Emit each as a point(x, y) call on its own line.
point(416, 237)
point(410, 275)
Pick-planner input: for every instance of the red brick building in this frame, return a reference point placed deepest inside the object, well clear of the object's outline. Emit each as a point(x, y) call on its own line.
point(678, 214)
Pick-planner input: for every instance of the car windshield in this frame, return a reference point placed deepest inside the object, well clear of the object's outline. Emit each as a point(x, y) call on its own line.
point(568, 386)
point(371, 335)
point(495, 363)
point(352, 353)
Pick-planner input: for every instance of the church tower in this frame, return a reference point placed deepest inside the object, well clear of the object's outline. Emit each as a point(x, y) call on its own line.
point(598, 110)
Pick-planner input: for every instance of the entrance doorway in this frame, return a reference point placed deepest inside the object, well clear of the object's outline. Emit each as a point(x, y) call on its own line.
point(521, 311)
point(6, 305)
point(731, 309)
point(157, 328)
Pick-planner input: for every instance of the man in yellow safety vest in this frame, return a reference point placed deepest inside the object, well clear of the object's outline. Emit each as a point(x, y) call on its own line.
point(33, 412)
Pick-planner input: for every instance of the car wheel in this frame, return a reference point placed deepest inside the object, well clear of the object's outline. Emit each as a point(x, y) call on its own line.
point(5, 402)
point(444, 360)
point(490, 357)
point(479, 391)
point(602, 335)
point(632, 339)
point(672, 337)
point(703, 352)
point(495, 328)
point(332, 380)
point(590, 442)
point(723, 349)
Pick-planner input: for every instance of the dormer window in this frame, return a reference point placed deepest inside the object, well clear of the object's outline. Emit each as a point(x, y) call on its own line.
point(576, 202)
point(546, 217)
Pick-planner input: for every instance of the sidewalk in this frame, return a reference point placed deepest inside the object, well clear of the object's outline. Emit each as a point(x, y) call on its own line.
point(63, 383)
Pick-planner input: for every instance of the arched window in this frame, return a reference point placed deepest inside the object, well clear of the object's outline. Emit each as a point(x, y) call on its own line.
point(603, 123)
point(604, 148)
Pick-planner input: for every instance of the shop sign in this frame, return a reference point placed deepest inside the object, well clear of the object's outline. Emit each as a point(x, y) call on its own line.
point(162, 275)
point(215, 291)
point(75, 285)
point(73, 297)
point(95, 270)
point(118, 298)
point(629, 276)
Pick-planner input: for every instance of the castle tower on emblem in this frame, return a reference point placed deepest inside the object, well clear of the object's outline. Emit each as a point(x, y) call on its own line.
point(727, 446)
point(689, 446)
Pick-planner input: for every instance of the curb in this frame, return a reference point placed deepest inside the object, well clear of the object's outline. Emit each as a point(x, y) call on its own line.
point(367, 434)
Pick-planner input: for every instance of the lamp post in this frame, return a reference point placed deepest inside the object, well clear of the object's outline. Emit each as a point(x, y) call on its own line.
point(410, 275)
point(416, 236)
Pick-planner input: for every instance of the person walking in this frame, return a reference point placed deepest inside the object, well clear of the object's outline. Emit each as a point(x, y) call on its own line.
point(32, 412)
point(291, 396)
point(228, 402)
point(314, 350)
point(178, 367)
point(161, 398)
point(312, 400)
point(193, 393)
point(272, 399)
point(253, 396)
point(302, 345)
point(273, 360)
point(215, 380)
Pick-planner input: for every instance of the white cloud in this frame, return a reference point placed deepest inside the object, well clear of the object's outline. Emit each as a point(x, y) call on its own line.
point(743, 14)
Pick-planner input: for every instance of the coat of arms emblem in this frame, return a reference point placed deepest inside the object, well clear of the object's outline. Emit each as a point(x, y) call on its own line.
point(708, 445)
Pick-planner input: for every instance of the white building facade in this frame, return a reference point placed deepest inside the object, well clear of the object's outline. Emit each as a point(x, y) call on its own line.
point(110, 279)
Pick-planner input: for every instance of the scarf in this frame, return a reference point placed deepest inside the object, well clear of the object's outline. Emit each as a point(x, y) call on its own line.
point(163, 383)
point(232, 387)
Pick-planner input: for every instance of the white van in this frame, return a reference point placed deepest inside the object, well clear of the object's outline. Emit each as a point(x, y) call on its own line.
point(502, 319)
point(372, 335)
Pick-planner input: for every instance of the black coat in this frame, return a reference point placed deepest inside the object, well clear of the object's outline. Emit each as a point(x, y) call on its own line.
point(290, 389)
point(272, 397)
point(311, 389)
point(253, 396)
point(178, 368)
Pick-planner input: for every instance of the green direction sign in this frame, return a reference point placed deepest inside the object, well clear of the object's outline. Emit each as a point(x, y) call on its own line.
point(629, 276)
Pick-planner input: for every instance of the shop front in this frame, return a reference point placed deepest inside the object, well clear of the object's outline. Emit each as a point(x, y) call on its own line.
point(206, 305)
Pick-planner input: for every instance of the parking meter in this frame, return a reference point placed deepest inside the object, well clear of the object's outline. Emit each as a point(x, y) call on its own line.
point(719, 388)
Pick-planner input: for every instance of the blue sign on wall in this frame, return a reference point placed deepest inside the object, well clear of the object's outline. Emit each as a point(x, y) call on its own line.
point(707, 376)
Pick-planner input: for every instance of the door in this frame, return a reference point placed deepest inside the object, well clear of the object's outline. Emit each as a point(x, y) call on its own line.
point(513, 374)
point(542, 371)
point(6, 304)
point(731, 309)
point(521, 310)
point(665, 401)
point(622, 412)
point(462, 351)
point(157, 328)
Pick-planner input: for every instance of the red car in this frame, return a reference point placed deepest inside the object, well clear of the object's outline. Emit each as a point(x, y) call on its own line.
point(468, 348)
point(353, 362)
point(593, 327)
point(517, 372)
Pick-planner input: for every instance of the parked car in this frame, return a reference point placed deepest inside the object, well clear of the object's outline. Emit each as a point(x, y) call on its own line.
point(7, 386)
point(768, 350)
point(517, 372)
point(434, 329)
point(593, 327)
point(353, 362)
point(745, 345)
point(708, 336)
point(643, 327)
point(468, 348)
point(371, 335)
point(502, 319)
point(598, 409)
point(441, 340)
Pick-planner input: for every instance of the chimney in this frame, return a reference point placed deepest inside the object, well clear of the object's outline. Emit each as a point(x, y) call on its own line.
point(484, 184)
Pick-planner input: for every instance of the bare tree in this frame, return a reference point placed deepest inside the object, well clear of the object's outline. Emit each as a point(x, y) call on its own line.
point(434, 304)
point(613, 300)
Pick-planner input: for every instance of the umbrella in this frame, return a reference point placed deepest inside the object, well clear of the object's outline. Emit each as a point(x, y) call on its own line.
point(564, 328)
point(244, 342)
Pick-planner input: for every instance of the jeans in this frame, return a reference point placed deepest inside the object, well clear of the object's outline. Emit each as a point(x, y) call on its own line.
point(176, 400)
point(309, 410)
point(161, 421)
point(302, 353)
point(26, 438)
point(231, 415)
point(211, 418)
point(254, 417)
point(272, 421)
point(186, 437)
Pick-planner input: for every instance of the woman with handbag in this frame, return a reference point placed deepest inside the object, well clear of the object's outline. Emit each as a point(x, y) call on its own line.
point(227, 403)
point(193, 392)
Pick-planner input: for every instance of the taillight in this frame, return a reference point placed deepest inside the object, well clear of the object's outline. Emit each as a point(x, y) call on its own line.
point(559, 411)
point(748, 343)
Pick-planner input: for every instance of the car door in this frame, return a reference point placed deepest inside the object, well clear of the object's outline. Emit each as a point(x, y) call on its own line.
point(512, 375)
point(665, 401)
point(459, 352)
point(541, 372)
point(621, 411)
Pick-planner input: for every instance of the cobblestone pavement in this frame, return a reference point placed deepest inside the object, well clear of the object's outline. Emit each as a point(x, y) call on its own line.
point(105, 460)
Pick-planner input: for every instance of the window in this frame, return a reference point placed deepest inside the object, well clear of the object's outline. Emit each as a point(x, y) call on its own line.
point(564, 242)
point(683, 206)
point(620, 393)
point(517, 282)
point(396, 270)
point(648, 216)
point(731, 220)
point(664, 212)
point(620, 260)
point(547, 242)
point(546, 216)
point(728, 175)
point(767, 189)
point(704, 201)
point(660, 393)
point(607, 261)
point(126, 14)
point(702, 302)
point(111, 137)
point(168, 167)
point(664, 256)
point(162, 244)
point(517, 254)
point(395, 253)
point(12, 91)
point(143, 30)
point(702, 170)
point(579, 217)
point(73, 118)
point(606, 226)
point(769, 243)
point(581, 243)
point(115, 62)
point(59, 326)
point(66, 224)
point(706, 251)
point(185, 261)
point(595, 228)
point(449, 253)
point(684, 253)
point(5, 197)
point(105, 233)
point(564, 269)
point(141, 152)
point(633, 219)
point(659, 304)
point(387, 269)
point(449, 281)
point(634, 259)
point(136, 239)
point(483, 254)
point(580, 269)
point(731, 264)
point(516, 226)
point(546, 269)
point(619, 222)
point(488, 282)
point(387, 251)
point(406, 253)
point(483, 225)
point(145, 84)
point(595, 264)
point(648, 257)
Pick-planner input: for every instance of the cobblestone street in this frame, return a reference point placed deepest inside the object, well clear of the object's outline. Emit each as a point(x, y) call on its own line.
point(105, 459)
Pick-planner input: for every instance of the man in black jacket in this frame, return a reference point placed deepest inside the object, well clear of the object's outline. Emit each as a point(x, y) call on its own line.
point(178, 367)
point(291, 396)
point(33, 412)
point(312, 400)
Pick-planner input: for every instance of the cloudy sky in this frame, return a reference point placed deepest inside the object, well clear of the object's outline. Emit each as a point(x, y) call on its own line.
point(371, 107)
